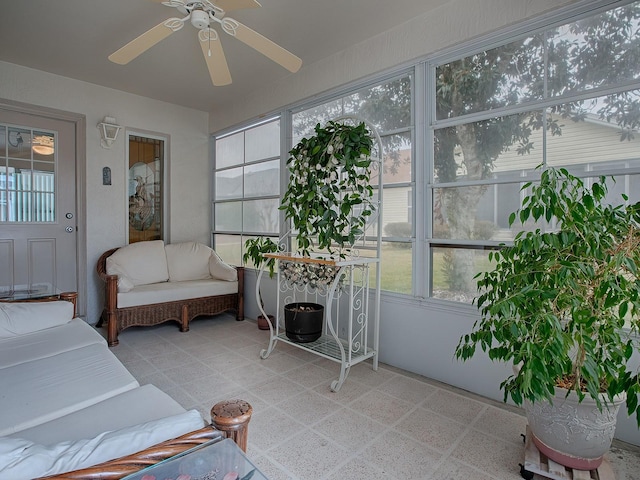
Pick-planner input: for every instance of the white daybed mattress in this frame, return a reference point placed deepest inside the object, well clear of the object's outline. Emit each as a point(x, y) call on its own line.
point(46, 343)
point(139, 405)
point(42, 390)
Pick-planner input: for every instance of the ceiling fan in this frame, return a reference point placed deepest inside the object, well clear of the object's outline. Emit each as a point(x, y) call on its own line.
point(201, 14)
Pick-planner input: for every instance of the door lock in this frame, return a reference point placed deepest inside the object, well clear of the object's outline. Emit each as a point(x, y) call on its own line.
point(69, 229)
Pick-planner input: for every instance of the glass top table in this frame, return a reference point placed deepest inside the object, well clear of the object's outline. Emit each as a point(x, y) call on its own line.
point(214, 460)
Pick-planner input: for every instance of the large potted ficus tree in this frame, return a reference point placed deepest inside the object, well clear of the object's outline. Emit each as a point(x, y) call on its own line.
point(562, 306)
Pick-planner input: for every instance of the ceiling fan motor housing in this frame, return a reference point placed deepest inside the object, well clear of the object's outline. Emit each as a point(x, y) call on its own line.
point(200, 19)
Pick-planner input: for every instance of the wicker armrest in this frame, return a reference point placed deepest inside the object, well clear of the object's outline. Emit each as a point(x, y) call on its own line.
point(230, 419)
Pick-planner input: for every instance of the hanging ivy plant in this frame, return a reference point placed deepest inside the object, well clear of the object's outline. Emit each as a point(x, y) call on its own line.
point(329, 196)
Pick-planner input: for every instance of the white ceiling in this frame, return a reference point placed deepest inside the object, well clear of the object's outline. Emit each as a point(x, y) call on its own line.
point(74, 37)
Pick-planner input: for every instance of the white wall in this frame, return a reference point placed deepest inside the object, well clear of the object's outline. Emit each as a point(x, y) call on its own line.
point(417, 336)
point(107, 205)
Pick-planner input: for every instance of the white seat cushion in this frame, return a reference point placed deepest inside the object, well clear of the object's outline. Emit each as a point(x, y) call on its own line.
point(138, 405)
point(46, 343)
point(173, 291)
point(42, 390)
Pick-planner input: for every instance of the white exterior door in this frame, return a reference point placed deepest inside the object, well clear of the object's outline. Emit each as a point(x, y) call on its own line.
point(38, 228)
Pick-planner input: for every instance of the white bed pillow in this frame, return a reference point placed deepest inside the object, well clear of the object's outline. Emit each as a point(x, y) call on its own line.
point(188, 261)
point(23, 459)
point(27, 317)
point(142, 262)
point(221, 270)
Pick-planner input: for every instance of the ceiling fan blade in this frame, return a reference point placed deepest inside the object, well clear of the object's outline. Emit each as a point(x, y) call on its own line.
point(262, 44)
point(145, 41)
point(214, 56)
point(229, 5)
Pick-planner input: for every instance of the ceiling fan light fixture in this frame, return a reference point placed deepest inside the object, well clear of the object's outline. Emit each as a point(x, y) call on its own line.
point(200, 19)
point(43, 145)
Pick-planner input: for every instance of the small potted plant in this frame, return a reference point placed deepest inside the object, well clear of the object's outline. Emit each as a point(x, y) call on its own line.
point(563, 306)
point(255, 248)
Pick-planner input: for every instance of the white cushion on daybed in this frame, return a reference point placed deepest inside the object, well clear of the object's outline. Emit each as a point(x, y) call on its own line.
point(45, 343)
point(142, 262)
point(172, 291)
point(23, 459)
point(138, 405)
point(41, 390)
point(25, 317)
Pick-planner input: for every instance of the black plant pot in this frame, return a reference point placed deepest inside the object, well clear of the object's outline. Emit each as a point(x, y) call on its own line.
point(303, 321)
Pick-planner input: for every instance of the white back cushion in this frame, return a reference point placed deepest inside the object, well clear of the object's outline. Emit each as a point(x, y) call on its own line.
point(21, 318)
point(142, 262)
point(188, 261)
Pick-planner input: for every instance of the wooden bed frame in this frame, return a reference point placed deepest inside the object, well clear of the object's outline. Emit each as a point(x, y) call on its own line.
point(182, 311)
point(229, 419)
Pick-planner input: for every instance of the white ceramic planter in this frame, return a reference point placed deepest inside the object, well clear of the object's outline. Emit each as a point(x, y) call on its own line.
point(576, 435)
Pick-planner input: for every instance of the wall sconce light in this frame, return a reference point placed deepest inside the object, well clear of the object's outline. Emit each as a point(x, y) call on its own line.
point(108, 131)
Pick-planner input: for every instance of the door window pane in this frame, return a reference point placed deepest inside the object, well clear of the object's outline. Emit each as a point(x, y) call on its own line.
point(27, 175)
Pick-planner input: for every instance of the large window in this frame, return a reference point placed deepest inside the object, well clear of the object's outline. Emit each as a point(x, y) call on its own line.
point(246, 188)
point(567, 96)
point(388, 107)
point(487, 117)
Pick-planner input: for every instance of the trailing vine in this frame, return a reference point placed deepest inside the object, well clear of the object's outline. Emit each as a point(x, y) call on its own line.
point(329, 196)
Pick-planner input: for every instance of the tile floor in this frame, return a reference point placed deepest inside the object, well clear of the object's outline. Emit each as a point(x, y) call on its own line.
point(385, 424)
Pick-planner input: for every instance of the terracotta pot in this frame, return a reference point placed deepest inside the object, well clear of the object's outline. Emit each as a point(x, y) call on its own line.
point(263, 323)
point(303, 321)
point(576, 435)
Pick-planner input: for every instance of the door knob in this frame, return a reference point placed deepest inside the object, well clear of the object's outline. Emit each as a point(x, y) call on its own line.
point(69, 229)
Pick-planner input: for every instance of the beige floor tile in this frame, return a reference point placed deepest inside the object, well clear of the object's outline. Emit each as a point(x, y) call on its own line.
point(271, 427)
point(350, 429)
point(401, 457)
point(382, 407)
point(408, 389)
point(506, 425)
point(277, 389)
point(308, 407)
point(459, 408)
point(437, 431)
point(357, 469)
point(454, 470)
point(310, 375)
point(485, 453)
point(308, 455)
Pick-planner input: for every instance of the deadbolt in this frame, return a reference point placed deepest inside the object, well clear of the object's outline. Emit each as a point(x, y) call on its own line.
point(69, 215)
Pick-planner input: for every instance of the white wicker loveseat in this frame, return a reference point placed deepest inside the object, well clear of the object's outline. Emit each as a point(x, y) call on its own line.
point(147, 283)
